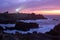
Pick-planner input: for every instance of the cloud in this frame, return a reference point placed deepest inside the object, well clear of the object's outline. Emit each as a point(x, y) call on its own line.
point(29, 4)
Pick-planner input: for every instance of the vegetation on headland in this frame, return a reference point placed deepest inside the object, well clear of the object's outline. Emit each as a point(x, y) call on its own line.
point(20, 16)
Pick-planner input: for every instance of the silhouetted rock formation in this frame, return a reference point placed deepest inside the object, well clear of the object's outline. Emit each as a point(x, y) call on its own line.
point(25, 26)
point(55, 31)
point(7, 21)
point(20, 16)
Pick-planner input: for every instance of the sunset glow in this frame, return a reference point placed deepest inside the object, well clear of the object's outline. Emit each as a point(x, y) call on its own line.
point(44, 12)
point(45, 7)
point(50, 12)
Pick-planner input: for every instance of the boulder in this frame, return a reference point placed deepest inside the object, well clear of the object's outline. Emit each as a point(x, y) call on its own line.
point(55, 31)
point(25, 26)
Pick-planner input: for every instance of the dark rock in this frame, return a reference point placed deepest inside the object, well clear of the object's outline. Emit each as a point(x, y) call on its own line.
point(32, 36)
point(56, 19)
point(20, 16)
point(7, 21)
point(36, 36)
point(10, 28)
point(1, 28)
point(25, 26)
point(55, 31)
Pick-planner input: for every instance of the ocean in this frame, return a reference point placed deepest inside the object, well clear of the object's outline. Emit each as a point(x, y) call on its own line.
point(45, 25)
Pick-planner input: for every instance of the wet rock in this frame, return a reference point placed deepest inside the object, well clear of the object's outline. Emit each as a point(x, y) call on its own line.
point(25, 26)
point(10, 28)
point(1, 28)
point(29, 36)
point(55, 31)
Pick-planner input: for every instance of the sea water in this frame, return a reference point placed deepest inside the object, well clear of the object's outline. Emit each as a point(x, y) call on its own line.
point(45, 25)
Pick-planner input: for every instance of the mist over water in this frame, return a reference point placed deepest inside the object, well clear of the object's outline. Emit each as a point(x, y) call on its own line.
point(53, 16)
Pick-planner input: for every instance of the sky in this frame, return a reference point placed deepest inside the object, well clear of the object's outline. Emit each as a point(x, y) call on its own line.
point(46, 7)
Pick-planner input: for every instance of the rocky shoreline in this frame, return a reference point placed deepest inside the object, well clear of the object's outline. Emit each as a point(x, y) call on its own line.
point(20, 16)
point(23, 26)
point(52, 35)
point(19, 36)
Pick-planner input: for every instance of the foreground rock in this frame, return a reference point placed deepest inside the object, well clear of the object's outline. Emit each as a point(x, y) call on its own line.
point(29, 36)
point(1, 28)
point(25, 26)
point(55, 32)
